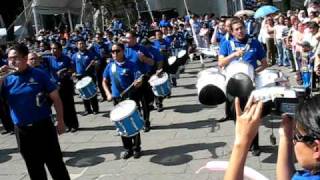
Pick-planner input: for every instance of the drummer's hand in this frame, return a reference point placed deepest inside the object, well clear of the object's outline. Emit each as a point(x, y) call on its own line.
point(4, 68)
point(159, 72)
point(60, 127)
point(248, 121)
point(141, 56)
point(137, 83)
point(238, 53)
point(109, 97)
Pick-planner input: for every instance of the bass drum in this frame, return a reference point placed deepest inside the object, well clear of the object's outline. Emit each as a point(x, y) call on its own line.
point(240, 76)
point(171, 65)
point(211, 87)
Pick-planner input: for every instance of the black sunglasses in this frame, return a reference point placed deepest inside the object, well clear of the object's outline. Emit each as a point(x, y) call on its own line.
point(308, 139)
point(116, 51)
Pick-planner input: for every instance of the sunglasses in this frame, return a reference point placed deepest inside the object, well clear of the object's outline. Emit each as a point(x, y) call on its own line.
point(116, 51)
point(308, 139)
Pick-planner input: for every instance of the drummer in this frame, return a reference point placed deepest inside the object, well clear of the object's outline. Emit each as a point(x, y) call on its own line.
point(84, 62)
point(122, 73)
point(240, 46)
point(157, 68)
point(60, 69)
point(141, 57)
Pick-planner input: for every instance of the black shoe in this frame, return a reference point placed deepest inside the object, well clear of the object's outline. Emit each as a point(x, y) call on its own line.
point(137, 154)
point(86, 113)
point(159, 108)
point(256, 151)
point(95, 112)
point(68, 129)
point(103, 100)
point(151, 107)
point(146, 129)
point(6, 132)
point(74, 130)
point(224, 119)
point(126, 154)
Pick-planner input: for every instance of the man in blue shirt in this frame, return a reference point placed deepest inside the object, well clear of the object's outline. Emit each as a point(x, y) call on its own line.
point(103, 52)
point(141, 57)
point(27, 91)
point(240, 46)
point(219, 34)
point(164, 22)
point(60, 69)
point(122, 73)
point(84, 64)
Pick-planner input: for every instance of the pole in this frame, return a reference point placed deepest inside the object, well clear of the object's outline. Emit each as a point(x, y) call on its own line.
point(82, 11)
point(149, 9)
point(35, 18)
point(70, 21)
point(241, 5)
point(137, 8)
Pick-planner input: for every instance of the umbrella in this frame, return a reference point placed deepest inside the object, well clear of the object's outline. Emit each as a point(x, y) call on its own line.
point(265, 10)
point(244, 12)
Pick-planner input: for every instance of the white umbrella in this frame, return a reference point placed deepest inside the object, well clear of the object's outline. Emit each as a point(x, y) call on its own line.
point(244, 12)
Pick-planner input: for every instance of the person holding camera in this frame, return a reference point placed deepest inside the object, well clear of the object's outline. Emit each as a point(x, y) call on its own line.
point(299, 137)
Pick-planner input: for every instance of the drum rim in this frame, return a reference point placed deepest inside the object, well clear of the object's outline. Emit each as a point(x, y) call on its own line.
point(124, 117)
point(90, 96)
point(83, 79)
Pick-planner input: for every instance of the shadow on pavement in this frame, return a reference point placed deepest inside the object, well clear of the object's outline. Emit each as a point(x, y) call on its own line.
point(188, 108)
point(189, 125)
point(184, 95)
point(273, 151)
point(90, 157)
point(5, 154)
point(188, 86)
point(176, 155)
point(98, 128)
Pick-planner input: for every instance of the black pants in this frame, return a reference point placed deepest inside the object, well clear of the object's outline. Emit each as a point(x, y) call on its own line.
point(5, 117)
point(69, 111)
point(100, 78)
point(39, 146)
point(230, 111)
point(91, 104)
point(132, 143)
point(159, 100)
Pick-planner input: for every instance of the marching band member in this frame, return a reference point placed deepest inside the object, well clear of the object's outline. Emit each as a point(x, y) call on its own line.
point(83, 62)
point(59, 67)
point(141, 57)
point(251, 51)
point(27, 91)
point(122, 73)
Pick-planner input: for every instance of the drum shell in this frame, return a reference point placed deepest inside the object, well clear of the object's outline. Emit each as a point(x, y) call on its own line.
point(268, 77)
point(87, 90)
point(160, 86)
point(129, 124)
point(240, 76)
point(211, 88)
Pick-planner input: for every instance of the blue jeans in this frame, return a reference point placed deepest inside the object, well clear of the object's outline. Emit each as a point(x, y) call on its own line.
point(281, 57)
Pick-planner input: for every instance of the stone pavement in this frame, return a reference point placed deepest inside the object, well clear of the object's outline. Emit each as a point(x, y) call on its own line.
point(185, 136)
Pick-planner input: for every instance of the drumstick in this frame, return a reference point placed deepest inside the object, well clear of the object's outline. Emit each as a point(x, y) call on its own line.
point(128, 88)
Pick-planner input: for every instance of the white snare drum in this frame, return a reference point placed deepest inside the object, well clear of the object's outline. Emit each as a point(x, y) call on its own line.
point(211, 87)
point(160, 85)
point(126, 118)
point(240, 76)
point(172, 60)
point(269, 77)
point(86, 88)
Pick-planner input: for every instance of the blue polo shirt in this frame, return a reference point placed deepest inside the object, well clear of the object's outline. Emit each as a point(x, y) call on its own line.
point(305, 175)
point(220, 37)
point(131, 53)
point(81, 60)
point(21, 91)
point(254, 54)
point(161, 45)
point(125, 72)
point(164, 23)
point(55, 64)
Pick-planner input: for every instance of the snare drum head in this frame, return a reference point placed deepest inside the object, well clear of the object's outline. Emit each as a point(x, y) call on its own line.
point(83, 82)
point(267, 77)
point(182, 53)
point(155, 80)
point(172, 60)
point(122, 110)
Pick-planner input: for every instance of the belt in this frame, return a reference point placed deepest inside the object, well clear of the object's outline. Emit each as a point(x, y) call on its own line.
point(36, 123)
